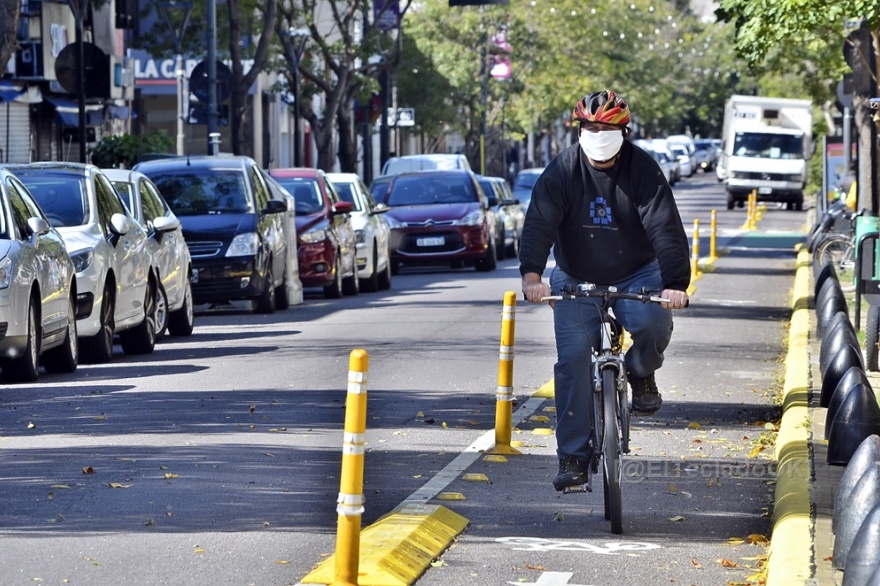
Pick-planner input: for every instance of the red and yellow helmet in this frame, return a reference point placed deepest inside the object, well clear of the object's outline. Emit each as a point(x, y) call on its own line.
point(606, 107)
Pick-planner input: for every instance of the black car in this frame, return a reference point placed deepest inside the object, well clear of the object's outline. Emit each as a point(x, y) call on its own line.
point(231, 224)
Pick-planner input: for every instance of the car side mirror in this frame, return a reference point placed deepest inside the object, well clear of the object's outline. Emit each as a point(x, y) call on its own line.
point(165, 224)
point(380, 208)
point(343, 207)
point(38, 226)
point(120, 224)
point(493, 201)
point(275, 206)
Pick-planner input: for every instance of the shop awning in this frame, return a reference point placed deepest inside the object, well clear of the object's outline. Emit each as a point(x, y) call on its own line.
point(9, 91)
point(67, 111)
point(119, 112)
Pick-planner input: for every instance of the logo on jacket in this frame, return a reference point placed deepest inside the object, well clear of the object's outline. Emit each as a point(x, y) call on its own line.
point(600, 211)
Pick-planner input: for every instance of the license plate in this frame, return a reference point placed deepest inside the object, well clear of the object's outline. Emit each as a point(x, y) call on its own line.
point(430, 241)
point(765, 190)
point(195, 276)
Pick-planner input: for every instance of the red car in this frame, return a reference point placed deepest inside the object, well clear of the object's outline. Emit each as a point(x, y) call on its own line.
point(325, 238)
point(441, 217)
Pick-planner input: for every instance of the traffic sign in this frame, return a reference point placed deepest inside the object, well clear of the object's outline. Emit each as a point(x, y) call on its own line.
point(404, 117)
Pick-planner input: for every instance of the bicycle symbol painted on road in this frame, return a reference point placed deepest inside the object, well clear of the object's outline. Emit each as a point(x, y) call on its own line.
point(607, 548)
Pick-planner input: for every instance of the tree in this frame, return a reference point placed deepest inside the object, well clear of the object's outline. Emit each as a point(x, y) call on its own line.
point(246, 21)
point(10, 11)
point(765, 29)
point(341, 63)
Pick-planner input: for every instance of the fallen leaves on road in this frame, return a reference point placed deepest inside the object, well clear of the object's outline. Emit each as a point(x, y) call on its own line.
point(88, 470)
point(726, 563)
point(677, 518)
point(696, 564)
point(118, 485)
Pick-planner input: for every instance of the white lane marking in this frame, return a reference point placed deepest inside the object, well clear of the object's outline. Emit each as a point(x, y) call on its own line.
point(607, 548)
point(550, 579)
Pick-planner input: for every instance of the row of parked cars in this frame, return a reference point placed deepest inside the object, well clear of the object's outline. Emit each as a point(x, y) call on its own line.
point(91, 256)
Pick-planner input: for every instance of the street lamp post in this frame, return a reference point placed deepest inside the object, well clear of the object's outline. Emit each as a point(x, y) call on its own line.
point(299, 37)
point(166, 7)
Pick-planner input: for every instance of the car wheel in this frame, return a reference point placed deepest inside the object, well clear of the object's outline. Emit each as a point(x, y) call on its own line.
point(371, 284)
point(161, 312)
point(731, 201)
point(385, 276)
point(282, 299)
point(99, 348)
point(26, 367)
point(64, 358)
point(265, 303)
point(141, 339)
point(488, 262)
point(352, 285)
point(180, 322)
point(334, 289)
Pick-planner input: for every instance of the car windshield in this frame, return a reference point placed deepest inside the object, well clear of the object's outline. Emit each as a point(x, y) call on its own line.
point(346, 193)
point(62, 197)
point(767, 146)
point(379, 187)
point(526, 180)
point(197, 192)
point(415, 191)
point(305, 193)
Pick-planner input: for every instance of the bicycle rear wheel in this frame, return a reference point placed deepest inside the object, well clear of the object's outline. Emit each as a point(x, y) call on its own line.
point(836, 250)
point(611, 452)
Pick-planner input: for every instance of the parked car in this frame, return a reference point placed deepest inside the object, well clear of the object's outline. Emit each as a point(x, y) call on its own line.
point(231, 225)
point(523, 184)
point(380, 185)
point(172, 264)
point(665, 165)
point(706, 153)
point(115, 287)
point(440, 216)
point(327, 244)
point(684, 159)
point(509, 215)
point(37, 289)
point(372, 233)
point(408, 163)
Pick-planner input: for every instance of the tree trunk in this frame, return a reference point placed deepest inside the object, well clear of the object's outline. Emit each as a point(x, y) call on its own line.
point(9, 14)
point(348, 150)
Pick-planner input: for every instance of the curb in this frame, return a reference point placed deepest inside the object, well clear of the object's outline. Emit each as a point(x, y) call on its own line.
point(791, 555)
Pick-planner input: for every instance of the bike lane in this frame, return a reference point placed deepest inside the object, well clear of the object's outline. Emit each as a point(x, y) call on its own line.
point(698, 484)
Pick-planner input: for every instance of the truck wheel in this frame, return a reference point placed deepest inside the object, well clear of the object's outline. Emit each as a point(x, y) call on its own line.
point(731, 201)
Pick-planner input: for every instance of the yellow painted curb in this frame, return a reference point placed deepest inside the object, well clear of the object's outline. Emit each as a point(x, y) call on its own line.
point(548, 391)
point(791, 554)
point(399, 547)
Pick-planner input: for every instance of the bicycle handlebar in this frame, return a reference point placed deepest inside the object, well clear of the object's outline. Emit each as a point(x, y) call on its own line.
point(589, 290)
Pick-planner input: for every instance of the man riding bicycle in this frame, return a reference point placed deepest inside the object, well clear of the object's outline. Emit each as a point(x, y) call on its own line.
point(607, 211)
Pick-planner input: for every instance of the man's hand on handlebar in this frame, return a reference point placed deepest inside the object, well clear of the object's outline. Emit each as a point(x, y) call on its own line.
point(534, 289)
point(677, 299)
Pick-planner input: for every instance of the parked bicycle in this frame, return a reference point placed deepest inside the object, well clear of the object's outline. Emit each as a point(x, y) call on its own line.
point(611, 411)
point(832, 240)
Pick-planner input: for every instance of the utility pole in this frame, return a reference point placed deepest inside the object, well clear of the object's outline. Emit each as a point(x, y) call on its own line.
point(212, 114)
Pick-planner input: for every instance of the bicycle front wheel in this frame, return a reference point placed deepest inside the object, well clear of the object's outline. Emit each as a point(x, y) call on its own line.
point(611, 452)
point(836, 250)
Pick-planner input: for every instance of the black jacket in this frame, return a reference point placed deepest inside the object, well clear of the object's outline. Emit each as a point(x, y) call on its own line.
point(605, 225)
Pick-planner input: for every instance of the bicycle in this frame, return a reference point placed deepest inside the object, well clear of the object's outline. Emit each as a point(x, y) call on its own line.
point(611, 414)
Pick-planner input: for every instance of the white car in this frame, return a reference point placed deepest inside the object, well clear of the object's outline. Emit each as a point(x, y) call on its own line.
point(373, 255)
point(172, 264)
point(115, 289)
point(680, 152)
point(37, 289)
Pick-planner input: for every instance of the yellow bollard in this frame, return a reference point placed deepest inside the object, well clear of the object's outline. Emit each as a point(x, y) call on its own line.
point(350, 504)
point(695, 255)
point(753, 208)
point(504, 392)
point(713, 236)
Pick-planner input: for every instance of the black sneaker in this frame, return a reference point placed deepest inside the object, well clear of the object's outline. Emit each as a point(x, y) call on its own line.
point(572, 472)
point(646, 398)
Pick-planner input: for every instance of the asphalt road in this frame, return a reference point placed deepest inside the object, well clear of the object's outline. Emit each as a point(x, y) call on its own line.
point(216, 459)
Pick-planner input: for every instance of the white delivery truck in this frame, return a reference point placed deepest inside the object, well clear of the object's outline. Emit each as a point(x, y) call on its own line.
point(767, 142)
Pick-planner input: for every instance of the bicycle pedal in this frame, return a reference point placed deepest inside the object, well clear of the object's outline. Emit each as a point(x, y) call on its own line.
point(587, 487)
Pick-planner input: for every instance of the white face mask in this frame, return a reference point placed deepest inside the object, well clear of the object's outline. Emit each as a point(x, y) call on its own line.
point(601, 146)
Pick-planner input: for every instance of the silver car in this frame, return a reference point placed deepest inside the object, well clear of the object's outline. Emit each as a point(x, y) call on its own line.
point(373, 255)
point(172, 264)
point(37, 289)
point(115, 288)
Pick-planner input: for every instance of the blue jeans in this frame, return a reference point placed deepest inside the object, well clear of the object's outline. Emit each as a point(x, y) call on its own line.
point(576, 324)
